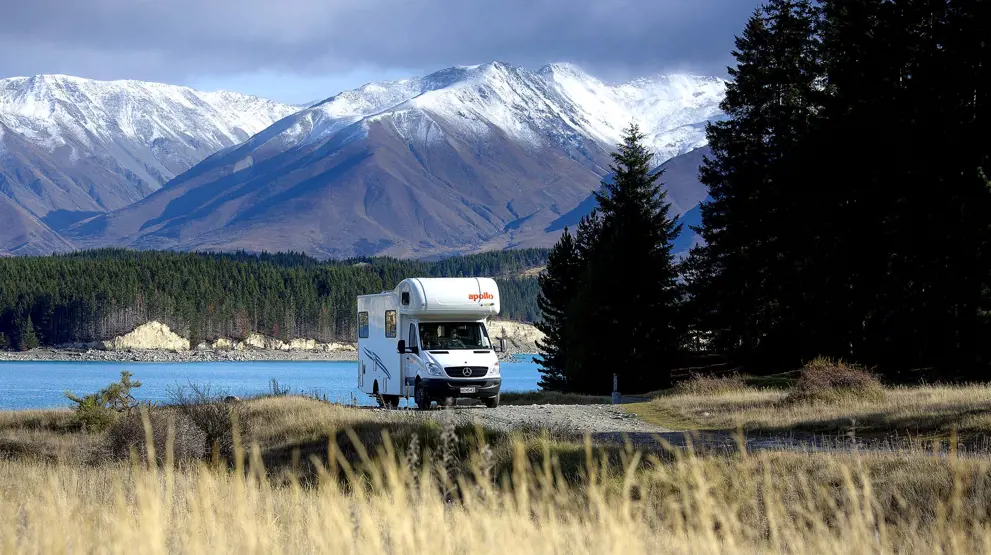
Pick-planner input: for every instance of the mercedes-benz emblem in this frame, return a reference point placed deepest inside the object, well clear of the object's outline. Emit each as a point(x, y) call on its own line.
point(466, 371)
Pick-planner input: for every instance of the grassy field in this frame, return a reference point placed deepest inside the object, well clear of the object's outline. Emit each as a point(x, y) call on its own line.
point(818, 402)
point(311, 477)
point(508, 494)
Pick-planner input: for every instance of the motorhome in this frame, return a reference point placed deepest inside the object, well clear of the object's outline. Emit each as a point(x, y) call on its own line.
point(427, 340)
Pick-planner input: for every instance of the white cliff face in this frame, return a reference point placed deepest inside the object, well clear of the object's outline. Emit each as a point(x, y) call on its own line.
point(520, 337)
point(146, 337)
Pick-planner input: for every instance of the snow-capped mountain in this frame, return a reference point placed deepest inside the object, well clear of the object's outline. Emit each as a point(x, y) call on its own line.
point(557, 104)
point(464, 159)
point(68, 143)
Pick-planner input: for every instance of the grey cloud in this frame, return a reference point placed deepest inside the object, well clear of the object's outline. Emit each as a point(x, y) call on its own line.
point(169, 40)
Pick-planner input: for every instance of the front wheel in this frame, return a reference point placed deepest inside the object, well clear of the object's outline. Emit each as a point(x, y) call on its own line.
point(492, 402)
point(420, 396)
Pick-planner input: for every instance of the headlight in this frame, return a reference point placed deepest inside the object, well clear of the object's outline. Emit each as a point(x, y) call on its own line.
point(435, 369)
point(494, 371)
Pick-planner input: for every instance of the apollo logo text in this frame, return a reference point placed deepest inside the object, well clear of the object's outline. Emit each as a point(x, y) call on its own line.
point(483, 296)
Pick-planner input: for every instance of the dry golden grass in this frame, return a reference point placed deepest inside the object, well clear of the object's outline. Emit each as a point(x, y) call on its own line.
point(321, 478)
point(388, 502)
point(920, 410)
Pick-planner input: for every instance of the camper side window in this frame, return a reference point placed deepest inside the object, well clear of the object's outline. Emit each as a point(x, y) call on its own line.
point(405, 297)
point(363, 325)
point(390, 323)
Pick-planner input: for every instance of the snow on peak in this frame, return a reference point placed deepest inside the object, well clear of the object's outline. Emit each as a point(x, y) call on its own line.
point(557, 104)
point(164, 129)
point(671, 109)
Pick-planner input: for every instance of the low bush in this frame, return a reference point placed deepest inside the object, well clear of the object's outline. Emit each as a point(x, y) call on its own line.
point(702, 385)
point(827, 380)
point(127, 434)
point(214, 415)
point(95, 412)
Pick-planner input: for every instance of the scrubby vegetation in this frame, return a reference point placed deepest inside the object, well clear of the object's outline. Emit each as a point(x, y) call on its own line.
point(316, 477)
point(174, 437)
point(700, 384)
point(96, 411)
point(903, 414)
point(825, 380)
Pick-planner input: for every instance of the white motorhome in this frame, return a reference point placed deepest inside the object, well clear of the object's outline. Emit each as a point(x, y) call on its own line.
point(427, 340)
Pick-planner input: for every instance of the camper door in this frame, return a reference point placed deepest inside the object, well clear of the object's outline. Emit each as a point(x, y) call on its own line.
point(412, 360)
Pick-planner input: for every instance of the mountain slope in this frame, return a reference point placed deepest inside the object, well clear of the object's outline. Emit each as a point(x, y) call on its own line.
point(23, 234)
point(465, 159)
point(680, 179)
point(68, 143)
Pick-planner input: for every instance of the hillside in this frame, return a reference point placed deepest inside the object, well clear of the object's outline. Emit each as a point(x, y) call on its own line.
point(463, 160)
point(79, 147)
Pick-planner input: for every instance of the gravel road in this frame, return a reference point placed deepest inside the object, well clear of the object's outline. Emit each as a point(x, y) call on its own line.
point(568, 419)
point(613, 424)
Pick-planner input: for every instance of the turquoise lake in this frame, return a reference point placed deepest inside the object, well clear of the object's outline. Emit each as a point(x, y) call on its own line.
point(35, 385)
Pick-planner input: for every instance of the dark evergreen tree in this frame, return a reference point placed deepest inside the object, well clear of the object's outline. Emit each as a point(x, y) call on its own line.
point(94, 295)
point(755, 225)
point(636, 290)
point(584, 338)
point(26, 337)
point(848, 215)
point(557, 291)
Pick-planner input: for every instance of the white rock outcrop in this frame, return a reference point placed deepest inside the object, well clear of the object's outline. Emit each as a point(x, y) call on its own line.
point(222, 344)
point(150, 336)
point(257, 341)
point(520, 337)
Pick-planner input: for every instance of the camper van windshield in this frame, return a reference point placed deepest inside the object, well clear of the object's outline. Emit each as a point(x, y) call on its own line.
point(453, 335)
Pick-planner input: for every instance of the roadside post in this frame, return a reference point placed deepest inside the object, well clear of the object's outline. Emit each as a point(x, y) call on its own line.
point(615, 389)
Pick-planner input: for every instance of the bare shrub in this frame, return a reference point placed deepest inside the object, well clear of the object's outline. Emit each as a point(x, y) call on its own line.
point(827, 380)
point(127, 433)
point(213, 414)
point(711, 385)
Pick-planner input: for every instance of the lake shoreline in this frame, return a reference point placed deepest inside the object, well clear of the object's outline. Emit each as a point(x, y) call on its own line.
point(51, 354)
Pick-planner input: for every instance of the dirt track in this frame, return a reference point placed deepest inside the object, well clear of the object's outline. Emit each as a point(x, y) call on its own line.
point(613, 424)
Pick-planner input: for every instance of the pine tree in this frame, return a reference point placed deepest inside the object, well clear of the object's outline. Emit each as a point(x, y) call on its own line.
point(638, 296)
point(583, 368)
point(557, 290)
point(755, 224)
point(26, 337)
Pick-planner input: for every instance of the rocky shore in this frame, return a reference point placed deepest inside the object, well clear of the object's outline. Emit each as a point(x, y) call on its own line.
point(49, 354)
point(154, 342)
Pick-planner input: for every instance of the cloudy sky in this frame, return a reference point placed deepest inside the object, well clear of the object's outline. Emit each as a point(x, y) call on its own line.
point(304, 50)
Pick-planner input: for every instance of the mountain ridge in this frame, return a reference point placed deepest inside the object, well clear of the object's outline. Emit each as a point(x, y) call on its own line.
point(464, 159)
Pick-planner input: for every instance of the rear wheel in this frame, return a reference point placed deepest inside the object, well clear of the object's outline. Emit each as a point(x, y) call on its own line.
point(420, 396)
point(492, 402)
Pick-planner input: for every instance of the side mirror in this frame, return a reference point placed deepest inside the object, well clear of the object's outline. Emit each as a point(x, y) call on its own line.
point(401, 347)
point(414, 349)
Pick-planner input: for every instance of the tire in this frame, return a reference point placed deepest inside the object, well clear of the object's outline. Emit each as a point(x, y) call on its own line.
point(420, 396)
point(492, 402)
point(389, 401)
